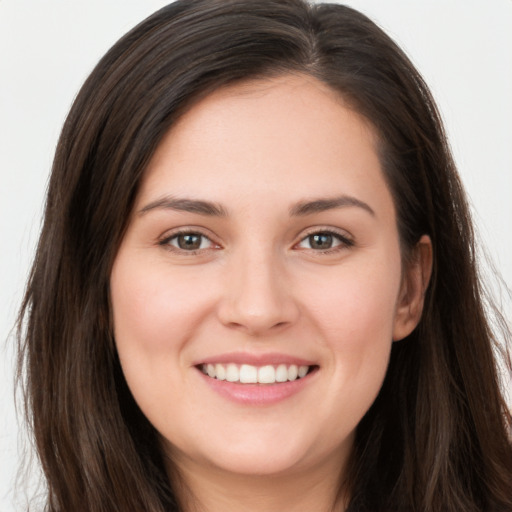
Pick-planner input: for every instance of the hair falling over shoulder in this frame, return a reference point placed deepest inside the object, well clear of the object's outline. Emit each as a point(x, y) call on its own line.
point(438, 436)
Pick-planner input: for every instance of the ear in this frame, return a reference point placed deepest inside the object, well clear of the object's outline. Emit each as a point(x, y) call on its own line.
point(415, 279)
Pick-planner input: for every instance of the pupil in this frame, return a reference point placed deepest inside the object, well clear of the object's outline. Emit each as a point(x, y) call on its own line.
point(321, 241)
point(189, 242)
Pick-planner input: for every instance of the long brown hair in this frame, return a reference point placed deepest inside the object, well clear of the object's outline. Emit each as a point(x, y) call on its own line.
point(437, 436)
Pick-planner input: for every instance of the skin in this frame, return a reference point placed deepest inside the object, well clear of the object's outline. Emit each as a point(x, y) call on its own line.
point(258, 285)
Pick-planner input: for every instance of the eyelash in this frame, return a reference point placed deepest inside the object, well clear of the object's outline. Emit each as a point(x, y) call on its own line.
point(166, 242)
point(344, 241)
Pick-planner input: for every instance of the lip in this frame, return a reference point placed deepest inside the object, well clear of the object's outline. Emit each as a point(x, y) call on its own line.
point(240, 358)
point(257, 394)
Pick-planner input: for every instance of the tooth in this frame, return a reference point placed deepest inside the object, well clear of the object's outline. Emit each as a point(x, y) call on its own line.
point(292, 372)
point(232, 373)
point(281, 373)
point(266, 375)
point(303, 370)
point(220, 371)
point(210, 370)
point(248, 374)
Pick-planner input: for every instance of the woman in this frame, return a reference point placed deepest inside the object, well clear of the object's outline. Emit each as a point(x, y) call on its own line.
point(255, 287)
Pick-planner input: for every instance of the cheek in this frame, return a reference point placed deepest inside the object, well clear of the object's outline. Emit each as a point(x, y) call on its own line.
point(358, 306)
point(155, 310)
point(356, 319)
point(155, 314)
point(357, 326)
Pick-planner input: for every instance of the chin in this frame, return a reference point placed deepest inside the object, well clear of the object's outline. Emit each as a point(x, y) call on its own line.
point(257, 463)
point(263, 454)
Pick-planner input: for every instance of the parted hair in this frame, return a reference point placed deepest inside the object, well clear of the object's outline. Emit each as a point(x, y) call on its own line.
point(437, 438)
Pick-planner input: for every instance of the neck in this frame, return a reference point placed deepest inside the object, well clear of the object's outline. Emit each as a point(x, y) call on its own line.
point(207, 489)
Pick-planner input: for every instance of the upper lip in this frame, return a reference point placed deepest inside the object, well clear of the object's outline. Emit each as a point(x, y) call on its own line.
point(272, 358)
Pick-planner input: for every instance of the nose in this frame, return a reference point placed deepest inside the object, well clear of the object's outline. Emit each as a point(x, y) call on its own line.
point(258, 298)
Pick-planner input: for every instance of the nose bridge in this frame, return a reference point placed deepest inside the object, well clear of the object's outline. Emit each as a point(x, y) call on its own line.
point(257, 292)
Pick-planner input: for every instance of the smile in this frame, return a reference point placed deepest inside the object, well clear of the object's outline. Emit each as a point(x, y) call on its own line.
point(249, 374)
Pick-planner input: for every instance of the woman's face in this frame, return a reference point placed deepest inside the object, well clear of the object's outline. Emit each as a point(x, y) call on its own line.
point(258, 288)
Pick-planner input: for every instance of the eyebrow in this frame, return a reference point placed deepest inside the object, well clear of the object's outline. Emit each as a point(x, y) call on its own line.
point(321, 205)
point(212, 209)
point(185, 205)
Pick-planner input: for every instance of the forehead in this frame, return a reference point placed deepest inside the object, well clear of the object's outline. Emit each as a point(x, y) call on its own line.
point(261, 138)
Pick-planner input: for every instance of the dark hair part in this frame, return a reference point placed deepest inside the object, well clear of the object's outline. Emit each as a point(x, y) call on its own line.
point(437, 436)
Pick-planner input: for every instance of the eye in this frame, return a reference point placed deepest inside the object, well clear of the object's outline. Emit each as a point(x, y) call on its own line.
point(188, 241)
point(324, 241)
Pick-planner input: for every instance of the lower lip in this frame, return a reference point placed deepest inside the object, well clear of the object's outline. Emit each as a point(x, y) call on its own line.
point(257, 394)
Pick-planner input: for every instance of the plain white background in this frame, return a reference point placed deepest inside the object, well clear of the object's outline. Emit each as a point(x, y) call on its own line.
point(463, 48)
